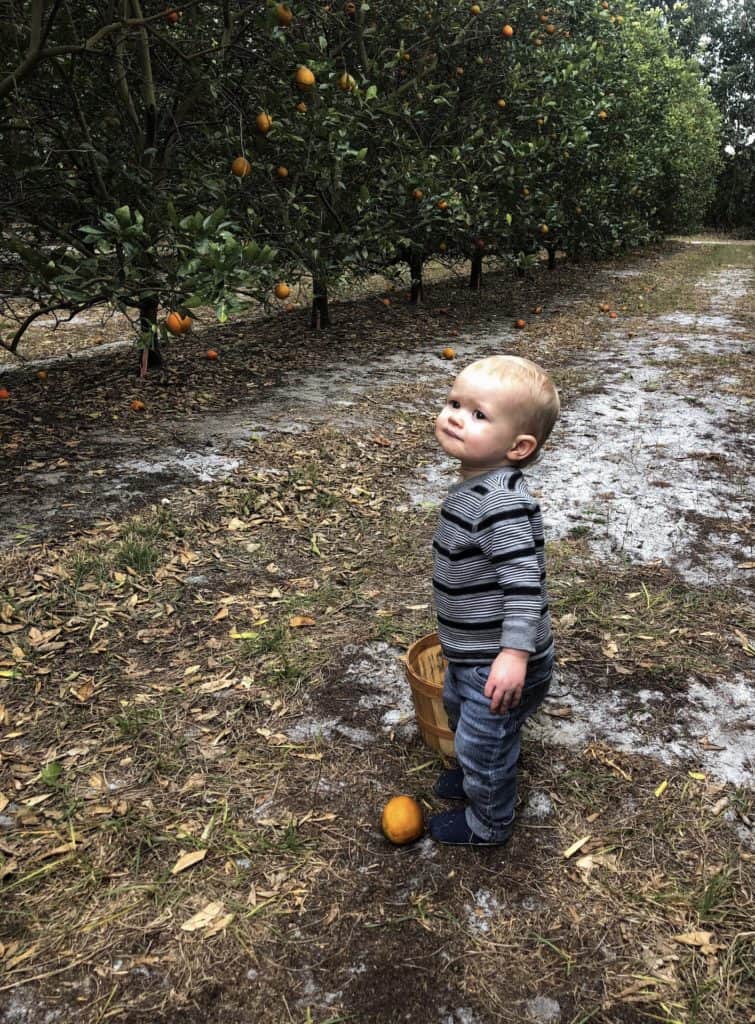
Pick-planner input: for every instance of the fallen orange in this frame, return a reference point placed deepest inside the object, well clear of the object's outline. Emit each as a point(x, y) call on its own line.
point(138, 405)
point(402, 820)
point(4, 394)
point(448, 353)
point(520, 323)
point(282, 291)
point(211, 354)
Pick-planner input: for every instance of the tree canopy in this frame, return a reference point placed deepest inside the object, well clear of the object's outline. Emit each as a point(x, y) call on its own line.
point(163, 159)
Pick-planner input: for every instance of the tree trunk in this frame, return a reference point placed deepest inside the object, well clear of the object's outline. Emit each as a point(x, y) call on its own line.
point(415, 269)
point(320, 316)
point(551, 249)
point(150, 356)
point(475, 274)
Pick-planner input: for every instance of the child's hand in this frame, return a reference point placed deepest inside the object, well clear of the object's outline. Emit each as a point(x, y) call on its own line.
point(506, 680)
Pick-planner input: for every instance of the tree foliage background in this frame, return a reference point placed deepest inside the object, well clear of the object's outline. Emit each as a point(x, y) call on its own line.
point(720, 36)
point(440, 129)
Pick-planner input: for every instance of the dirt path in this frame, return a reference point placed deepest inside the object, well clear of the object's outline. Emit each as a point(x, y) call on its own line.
point(203, 610)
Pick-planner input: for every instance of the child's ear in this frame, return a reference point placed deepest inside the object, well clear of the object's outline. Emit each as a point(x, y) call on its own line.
point(524, 445)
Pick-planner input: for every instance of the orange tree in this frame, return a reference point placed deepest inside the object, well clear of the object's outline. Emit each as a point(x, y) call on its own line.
point(107, 141)
point(360, 136)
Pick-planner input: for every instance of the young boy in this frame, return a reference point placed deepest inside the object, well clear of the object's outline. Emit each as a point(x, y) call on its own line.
point(489, 586)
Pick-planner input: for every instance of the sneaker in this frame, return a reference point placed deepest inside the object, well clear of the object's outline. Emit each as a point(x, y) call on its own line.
point(451, 828)
point(450, 785)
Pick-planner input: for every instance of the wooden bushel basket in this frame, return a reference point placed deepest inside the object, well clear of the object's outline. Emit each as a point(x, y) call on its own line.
point(425, 668)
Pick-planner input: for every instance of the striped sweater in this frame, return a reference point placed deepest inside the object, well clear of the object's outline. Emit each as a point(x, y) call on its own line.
point(489, 570)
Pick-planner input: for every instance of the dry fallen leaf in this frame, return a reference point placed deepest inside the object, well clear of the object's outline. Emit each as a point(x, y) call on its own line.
point(187, 859)
point(301, 620)
point(563, 712)
point(700, 940)
point(203, 917)
point(219, 925)
point(575, 846)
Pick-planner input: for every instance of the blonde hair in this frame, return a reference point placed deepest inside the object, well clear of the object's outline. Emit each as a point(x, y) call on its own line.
point(540, 406)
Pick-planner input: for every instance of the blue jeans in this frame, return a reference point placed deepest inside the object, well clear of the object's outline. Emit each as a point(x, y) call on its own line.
point(487, 745)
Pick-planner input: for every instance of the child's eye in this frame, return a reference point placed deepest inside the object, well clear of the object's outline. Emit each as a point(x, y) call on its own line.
point(479, 414)
point(454, 403)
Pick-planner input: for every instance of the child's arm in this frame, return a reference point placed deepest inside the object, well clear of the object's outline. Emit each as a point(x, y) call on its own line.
point(506, 680)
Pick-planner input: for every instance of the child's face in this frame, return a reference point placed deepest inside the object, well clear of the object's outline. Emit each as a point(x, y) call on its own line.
point(478, 425)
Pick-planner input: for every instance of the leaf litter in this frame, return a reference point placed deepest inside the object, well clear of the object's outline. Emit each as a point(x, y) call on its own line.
point(155, 663)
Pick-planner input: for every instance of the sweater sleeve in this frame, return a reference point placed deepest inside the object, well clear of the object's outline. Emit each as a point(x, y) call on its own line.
point(504, 531)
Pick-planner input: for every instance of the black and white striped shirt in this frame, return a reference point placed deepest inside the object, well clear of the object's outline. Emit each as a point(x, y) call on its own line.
point(489, 570)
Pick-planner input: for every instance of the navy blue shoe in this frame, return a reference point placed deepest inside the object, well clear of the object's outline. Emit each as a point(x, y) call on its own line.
point(450, 784)
point(451, 828)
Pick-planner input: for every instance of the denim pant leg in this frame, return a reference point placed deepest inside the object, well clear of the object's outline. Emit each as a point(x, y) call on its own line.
point(451, 700)
point(488, 745)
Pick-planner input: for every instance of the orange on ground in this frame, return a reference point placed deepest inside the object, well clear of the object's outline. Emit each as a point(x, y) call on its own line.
point(138, 405)
point(211, 354)
point(283, 15)
point(282, 291)
point(507, 31)
point(4, 394)
point(304, 78)
point(500, 103)
point(613, 315)
point(263, 123)
point(402, 820)
point(282, 172)
point(386, 302)
point(42, 375)
point(448, 353)
point(241, 167)
point(543, 18)
point(605, 308)
point(520, 324)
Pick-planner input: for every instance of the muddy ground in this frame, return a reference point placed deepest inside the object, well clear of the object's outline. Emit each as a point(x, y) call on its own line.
point(202, 612)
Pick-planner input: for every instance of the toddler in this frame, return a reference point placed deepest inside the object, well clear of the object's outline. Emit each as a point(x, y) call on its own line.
point(489, 587)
